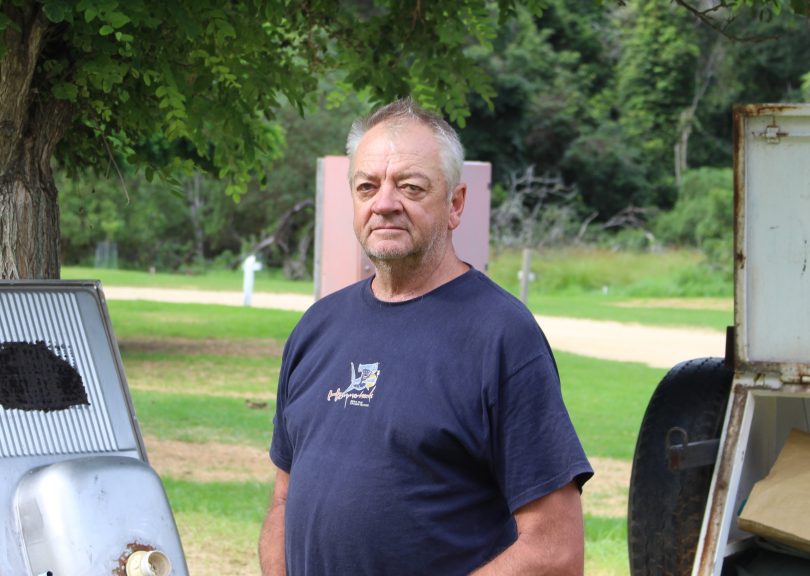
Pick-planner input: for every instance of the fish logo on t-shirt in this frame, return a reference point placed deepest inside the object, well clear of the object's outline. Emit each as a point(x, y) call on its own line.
point(366, 377)
point(362, 383)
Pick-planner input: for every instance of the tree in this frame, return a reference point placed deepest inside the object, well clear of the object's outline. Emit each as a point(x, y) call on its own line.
point(731, 18)
point(656, 84)
point(87, 81)
point(607, 171)
point(546, 72)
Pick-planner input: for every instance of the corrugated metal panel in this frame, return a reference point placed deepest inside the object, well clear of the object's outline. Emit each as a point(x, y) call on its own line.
point(54, 318)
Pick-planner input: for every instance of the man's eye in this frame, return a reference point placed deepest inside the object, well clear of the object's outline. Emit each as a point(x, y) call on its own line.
point(365, 188)
point(412, 188)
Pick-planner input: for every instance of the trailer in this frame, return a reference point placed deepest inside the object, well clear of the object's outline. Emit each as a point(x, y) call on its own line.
point(715, 427)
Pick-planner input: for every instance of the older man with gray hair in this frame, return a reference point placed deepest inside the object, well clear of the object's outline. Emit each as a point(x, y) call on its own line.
point(449, 449)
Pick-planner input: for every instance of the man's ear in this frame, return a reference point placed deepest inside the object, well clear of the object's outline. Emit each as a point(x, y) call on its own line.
point(457, 206)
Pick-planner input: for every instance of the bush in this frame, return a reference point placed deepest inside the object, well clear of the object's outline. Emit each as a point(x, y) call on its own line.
point(703, 217)
point(605, 167)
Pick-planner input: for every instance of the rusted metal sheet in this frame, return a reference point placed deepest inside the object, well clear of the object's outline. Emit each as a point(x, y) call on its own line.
point(708, 547)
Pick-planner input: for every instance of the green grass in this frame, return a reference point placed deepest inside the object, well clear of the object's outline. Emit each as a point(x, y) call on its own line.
point(587, 270)
point(231, 501)
point(570, 282)
point(142, 319)
point(229, 515)
point(267, 280)
point(252, 378)
point(220, 519)
point(606, 401)
point(198, 419)
point(191, 380)
point(597, 307)
point(189, 391)
point(605, 546)
point(559, 271)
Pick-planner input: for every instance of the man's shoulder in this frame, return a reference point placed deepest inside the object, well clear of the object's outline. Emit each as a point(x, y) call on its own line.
point(340, 297)
point(331, 307)
point(486, 294)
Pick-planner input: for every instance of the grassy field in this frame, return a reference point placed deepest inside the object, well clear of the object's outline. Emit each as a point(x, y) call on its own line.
point(268, 280)
point(203, 383)
point(649, 288)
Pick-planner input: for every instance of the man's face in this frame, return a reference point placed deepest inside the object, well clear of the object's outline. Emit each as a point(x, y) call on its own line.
point(401, 209)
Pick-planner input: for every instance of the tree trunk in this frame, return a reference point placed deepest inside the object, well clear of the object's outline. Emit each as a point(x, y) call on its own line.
point(703, 78)
point(30, 127)
point(196, 204)
point(29, 227)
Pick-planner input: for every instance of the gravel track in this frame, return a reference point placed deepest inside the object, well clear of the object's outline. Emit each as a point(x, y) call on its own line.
point(658, 347)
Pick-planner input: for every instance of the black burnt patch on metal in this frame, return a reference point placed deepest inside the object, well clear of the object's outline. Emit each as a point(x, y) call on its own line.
point(33, 377)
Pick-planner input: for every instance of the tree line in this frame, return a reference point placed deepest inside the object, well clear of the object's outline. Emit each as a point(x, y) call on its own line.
point(625, 107)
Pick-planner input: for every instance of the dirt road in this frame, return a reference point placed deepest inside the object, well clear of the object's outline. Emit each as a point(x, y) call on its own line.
point(654, 346)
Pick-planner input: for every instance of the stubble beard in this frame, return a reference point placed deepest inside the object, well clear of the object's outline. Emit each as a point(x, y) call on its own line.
point(407, 259)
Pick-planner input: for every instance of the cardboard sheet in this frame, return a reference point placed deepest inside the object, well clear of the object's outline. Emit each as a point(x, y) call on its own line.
point(778, 507)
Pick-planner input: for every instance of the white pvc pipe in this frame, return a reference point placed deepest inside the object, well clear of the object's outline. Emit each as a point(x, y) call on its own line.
point(148, 563)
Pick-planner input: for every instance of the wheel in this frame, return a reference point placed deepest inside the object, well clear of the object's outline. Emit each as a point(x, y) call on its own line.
point(666, 507)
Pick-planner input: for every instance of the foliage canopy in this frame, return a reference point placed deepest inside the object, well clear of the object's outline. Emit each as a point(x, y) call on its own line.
point(212, 74)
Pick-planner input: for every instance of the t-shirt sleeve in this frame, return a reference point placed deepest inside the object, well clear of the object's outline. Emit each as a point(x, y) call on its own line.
point(280, 446)
point(537, 450)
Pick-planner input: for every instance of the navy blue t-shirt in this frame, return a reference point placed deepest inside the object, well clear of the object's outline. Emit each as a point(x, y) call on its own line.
point(412, 431)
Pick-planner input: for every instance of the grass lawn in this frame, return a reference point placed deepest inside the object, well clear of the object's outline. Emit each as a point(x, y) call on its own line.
point(267, 280)
point(203, 377)
point(141, 320)
point(606, 401)
point(194, 372)
point(670, 288)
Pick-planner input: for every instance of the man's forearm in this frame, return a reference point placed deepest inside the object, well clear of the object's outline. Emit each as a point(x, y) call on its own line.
point(271, 539)
point(271, 543)
point(520, 559)
point(550, 539)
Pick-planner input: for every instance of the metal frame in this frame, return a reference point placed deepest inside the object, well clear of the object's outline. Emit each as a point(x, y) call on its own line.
point(771, 388)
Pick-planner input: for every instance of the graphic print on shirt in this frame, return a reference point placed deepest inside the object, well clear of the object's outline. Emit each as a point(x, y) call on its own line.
point(362, 385)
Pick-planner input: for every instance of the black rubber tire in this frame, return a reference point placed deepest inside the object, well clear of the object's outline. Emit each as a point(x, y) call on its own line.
point(666, 507)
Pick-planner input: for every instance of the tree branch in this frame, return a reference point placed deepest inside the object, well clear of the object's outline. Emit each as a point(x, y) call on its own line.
point(283, 223)
point(705, 17)
point(115, 165)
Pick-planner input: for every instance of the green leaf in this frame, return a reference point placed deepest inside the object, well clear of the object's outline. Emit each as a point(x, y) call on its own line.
point(66, 91)
point(118, 19)
point(106, 30)
point(235, 191)
point(54, 12)
point(6, 22)
point(801, 7)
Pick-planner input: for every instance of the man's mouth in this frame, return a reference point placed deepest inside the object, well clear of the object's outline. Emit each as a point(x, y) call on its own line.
point(388, 228)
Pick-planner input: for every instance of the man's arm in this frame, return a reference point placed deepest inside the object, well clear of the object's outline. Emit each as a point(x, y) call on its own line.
point(550, 538)
point(271, 539)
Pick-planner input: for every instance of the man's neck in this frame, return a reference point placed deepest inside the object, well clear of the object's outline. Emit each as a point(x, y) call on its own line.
point(400, 280)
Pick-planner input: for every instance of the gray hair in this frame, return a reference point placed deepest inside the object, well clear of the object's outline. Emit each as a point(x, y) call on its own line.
point(451, 151)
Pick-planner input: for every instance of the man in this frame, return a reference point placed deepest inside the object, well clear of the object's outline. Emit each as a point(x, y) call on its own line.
point(448, 450)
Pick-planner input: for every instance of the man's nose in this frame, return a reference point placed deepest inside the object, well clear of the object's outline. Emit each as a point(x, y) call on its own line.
point(387, 199)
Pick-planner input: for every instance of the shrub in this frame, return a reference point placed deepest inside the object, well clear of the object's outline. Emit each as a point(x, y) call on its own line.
point(703, 216)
